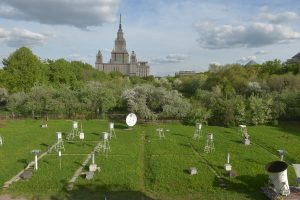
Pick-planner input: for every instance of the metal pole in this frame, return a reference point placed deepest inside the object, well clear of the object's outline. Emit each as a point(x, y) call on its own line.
point(59, 155)
point(36, 162)
point(228, 158)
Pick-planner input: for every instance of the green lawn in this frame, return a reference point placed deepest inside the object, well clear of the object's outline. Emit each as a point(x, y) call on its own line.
point(141, 166)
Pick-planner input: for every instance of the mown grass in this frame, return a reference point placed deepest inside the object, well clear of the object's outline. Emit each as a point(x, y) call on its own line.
point(142, 166)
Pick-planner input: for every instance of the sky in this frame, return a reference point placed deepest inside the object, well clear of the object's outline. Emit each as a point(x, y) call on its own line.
point(172, 35)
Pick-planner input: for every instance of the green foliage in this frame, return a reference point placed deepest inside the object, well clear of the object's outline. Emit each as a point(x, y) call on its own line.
point(198, 114)
point(143, 100)
point(22, 69)
point(226, 95)
point(260, 109)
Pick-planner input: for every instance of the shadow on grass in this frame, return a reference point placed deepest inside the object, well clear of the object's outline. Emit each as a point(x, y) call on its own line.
point(249, 186)
point(181, 135)
point(44, 145)
point(109, 192)
point(237, 141)
point(23, 161)
point(121, 126)
point(97, 134)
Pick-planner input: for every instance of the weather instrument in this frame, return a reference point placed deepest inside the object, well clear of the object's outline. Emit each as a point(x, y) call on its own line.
point(278, 177)
point(197, 133)
point(281, 153)
point(131, 119)
point(112, 132)
point(35, 152)
point(297, 171)
point(160, 132)
point(245, 135)
point(60, 143)
point(81, 136)
point(104, 144)
point(209, 146)
point(74, 132)
point(227, 165)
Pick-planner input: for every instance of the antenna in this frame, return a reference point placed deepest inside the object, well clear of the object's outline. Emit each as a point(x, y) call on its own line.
point(131, 119)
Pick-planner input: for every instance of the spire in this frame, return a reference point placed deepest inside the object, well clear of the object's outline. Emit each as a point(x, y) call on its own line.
point(120, 25)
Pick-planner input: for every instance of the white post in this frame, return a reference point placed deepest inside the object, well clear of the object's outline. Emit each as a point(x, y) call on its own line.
point(59, 155)
point(228, 158)
point(36, 162)
point(93, 158)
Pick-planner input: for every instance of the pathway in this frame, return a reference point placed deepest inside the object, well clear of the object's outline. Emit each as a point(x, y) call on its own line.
point(30, 165)
point(78, 172)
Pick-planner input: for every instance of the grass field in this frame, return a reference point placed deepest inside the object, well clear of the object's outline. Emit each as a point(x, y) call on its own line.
point(141, 166)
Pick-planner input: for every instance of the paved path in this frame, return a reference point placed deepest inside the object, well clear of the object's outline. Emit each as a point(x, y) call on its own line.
point(30, 165)
point(79, 170)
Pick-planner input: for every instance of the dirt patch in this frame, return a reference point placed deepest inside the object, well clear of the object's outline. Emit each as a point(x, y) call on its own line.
point(8, 197)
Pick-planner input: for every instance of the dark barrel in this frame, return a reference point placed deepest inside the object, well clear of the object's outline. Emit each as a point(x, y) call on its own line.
point(276, 166)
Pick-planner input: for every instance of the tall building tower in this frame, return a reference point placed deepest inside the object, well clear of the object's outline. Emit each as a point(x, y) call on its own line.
point(119, 54)
point(99, 60)
point(119, 60)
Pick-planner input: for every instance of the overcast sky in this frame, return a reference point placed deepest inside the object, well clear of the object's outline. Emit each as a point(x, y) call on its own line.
point(172, 35)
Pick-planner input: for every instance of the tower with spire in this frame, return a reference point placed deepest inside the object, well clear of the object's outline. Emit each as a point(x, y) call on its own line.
point(119, 60)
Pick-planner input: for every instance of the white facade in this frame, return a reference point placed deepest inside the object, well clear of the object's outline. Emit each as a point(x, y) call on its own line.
point(120, 61)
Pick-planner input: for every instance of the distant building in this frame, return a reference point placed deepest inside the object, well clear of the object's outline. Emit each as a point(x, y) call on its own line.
point(185, 73)
point(294, 60)
point(250, 63)
point(119, 60)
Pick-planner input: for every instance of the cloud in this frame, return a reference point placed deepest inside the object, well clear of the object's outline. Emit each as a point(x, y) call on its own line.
point(78, 13)
point(278, 18)
point(171, 58)
point(255, 35)
point(22, 37)
point(261, 52)
point(246, 59)
point(76, 57)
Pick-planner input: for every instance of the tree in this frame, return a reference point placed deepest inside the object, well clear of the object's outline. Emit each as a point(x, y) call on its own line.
point(97, 97)
point(259, 109)
point(16, 102)
point(41, 100)
point(68, 102)
point(22, 69)
point(3, 96)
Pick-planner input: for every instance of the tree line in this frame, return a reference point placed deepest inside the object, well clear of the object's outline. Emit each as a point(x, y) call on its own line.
point(224, 95)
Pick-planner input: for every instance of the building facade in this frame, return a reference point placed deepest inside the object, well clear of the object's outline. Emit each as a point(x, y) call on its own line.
point(120, 60)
